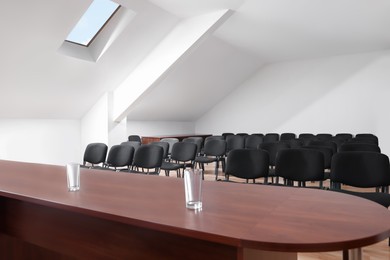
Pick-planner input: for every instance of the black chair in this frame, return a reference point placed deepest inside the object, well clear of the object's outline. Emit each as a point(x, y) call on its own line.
point(287, 136)
point(307, 137)
point(94, 154)
point(293, 143)
point(351, 147)
point(326, 152)
point(344, 136)
point(134, 138)
point(215, 137)
point(247, 164)
point(225, 135)
point(119, 156)
point(165, 146)
point(324, 136)
point(134, 144)
point(171, 141)
point(253, 141)
point(321, 143)
point(364, 140)
point(183, 155)
point(362, 170)
point(258, 134)
point(234, 142)
point(271, 137)
point(148, 159)
point(300, 165)
point(369, 136)
point(214, 151)
point(242, 134)
point(196, 140)
point(273, 149)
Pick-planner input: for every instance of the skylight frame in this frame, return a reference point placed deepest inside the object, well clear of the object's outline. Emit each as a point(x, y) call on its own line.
point(98, 32)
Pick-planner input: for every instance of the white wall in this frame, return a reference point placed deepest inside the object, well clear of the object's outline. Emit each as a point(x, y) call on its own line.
point(331, 95)
point(94, 125)
point(40, 140)
point(147, 128)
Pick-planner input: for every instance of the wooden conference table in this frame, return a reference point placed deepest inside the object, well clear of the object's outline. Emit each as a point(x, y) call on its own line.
point(128, 216)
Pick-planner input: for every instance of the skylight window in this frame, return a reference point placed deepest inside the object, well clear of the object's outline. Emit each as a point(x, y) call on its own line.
point(92, 22)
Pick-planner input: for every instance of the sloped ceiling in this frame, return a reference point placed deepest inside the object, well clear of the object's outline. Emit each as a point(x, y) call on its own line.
point(38, 82)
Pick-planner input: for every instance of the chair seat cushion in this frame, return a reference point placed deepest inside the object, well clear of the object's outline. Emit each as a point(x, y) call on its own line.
point(204, 159)
point(170, 166)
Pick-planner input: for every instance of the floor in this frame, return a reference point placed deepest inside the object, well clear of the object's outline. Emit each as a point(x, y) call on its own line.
point(379, 251)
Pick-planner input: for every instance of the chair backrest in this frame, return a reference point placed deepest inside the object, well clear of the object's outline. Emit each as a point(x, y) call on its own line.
point(300, 165)
point(322, 143)
point(171, 142)
point(273, 149)
point(165, 146)
point(148, 156)
point(306, 136)
point(120, 155)
point(95, 153)
point(363, 140)
point(326, 152)
point(344, 136)
point(242, 134)
point(253, 141)
point(324, 136)
point(366, 135)
point(226, 134)
point(258, 134)
point(135, 138)
point(234, 142)
point(373, 138)
point(247, 164)
point(287, 136)
point(350, 147)
point(215, 148)
point(293, 143)
point(134, 144)
point(196, 140)
point(271, 137)
point(215, 137)
point(184, 151)
point(361, 169)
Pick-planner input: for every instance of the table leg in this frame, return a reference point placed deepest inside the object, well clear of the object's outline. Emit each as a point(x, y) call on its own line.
point(352, 254)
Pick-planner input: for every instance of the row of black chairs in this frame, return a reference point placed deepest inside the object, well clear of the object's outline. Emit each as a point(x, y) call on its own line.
point(131, 156)
point(253, 140)
point(273, 137)
point(216, 150)
point(124, 157)
point(298, 166)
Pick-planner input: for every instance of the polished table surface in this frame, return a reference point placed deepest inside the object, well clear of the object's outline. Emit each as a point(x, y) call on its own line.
point(239, 215)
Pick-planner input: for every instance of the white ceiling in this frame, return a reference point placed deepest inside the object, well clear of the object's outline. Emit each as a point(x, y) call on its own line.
point(39, 82)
